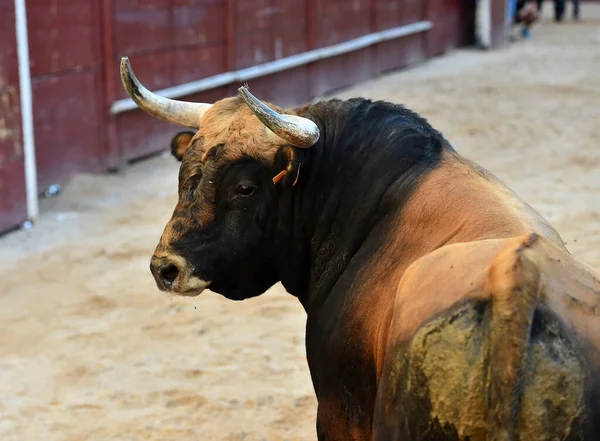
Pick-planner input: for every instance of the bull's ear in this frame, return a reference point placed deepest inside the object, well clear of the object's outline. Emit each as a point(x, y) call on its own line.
point(180, 143)
point(287, 167)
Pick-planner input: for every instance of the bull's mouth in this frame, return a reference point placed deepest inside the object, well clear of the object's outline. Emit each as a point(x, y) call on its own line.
point(192, 288)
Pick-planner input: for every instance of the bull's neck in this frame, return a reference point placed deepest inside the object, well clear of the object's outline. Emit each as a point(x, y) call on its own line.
point(368, 161)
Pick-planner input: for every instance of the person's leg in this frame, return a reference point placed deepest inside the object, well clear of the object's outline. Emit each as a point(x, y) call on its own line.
point(559, 9)
point(576, 9)
point(526, 14)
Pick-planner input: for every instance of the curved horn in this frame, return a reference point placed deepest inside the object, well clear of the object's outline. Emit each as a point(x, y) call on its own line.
point(181, 113)
point(296, 130)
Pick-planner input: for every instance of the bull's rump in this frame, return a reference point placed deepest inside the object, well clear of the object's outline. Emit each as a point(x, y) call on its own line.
point(493, 340)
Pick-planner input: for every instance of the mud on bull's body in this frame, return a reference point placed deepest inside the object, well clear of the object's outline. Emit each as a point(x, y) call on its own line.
point(439, 305)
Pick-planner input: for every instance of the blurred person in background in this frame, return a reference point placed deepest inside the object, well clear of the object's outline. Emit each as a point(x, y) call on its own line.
point(525, 12)
point(560, 7)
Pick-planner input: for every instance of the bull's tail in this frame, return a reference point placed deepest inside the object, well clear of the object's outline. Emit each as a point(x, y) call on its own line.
point(514, 282)
point(537, 379)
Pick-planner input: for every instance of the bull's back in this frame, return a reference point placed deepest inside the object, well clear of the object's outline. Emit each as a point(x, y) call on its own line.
point(491, 350)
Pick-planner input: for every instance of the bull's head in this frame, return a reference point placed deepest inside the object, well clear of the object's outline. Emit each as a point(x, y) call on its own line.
point(218, 234)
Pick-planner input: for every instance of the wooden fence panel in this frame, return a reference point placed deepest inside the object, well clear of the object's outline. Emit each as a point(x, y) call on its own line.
point(66, 69)
point(337, 21)
point(499, 22)
point(169, 42)
point(401, 52)
point(167, 48)
point(453, 24)
point(13, 195)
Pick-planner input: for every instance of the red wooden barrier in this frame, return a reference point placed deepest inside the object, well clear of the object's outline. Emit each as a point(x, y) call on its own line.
point(13, 198)
point(66, 71)
point(75, 49)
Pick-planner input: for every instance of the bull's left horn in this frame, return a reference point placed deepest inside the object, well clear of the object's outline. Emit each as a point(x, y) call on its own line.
point(296, 130)
point(181, 113)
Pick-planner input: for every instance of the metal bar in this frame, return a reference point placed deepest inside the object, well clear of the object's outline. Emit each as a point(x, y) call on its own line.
point(279, 65)
point(26, 110)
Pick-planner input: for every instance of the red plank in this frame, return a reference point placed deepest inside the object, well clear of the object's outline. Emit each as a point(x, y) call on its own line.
point(444, 16)
point(142, 26)
point(403, 52)
point(290, 88)
point(413, 11)
point(152, 69)
point(141, 135)
point(342, 20)
point(67, 123)
point(9, 74)
point(289, 40)
point(388, 14)
point(193, 63)
point(13, 197)
point(158, 70)
point(177, 3)
point(453, 19)
point(289, 12)
point(285, 89)
point(254, 15)
point(202, 23)
point(63, 35)
point(342, 71)
point(254, 48)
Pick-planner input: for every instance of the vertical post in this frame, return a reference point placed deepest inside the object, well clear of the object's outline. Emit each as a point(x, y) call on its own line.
point(26, 110)
point(113, 159)
point(483, 23)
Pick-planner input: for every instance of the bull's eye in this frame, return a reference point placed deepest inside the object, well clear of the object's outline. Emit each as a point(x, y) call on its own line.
point(245, 190)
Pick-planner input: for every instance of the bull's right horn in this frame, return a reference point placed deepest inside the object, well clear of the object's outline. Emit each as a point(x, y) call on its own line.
point(181, 113)
point(296, 130)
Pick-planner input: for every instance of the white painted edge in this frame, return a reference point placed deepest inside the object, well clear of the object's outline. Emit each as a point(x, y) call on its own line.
point(26, 110)
point(282, 64)
point(484, 23)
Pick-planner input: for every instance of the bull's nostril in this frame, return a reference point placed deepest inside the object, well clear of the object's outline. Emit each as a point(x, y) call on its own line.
point(169, 273)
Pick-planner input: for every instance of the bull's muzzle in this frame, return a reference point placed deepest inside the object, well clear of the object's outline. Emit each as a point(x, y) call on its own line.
point(173, 273)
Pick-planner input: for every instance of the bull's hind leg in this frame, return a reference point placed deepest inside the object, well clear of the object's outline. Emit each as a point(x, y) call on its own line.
point(514, 285)
point(538, 374)
point(535, 379)
point(488, 354)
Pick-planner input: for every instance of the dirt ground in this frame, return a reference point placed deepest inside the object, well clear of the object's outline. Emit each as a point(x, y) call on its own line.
point(90, 350)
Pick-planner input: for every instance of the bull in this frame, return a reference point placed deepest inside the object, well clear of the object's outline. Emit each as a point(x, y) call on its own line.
point(440, 306)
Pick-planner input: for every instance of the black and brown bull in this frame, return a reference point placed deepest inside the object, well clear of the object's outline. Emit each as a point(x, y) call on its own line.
point(439, 305)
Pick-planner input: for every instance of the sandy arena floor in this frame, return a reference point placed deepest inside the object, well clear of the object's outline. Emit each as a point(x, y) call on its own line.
point(90, 350)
